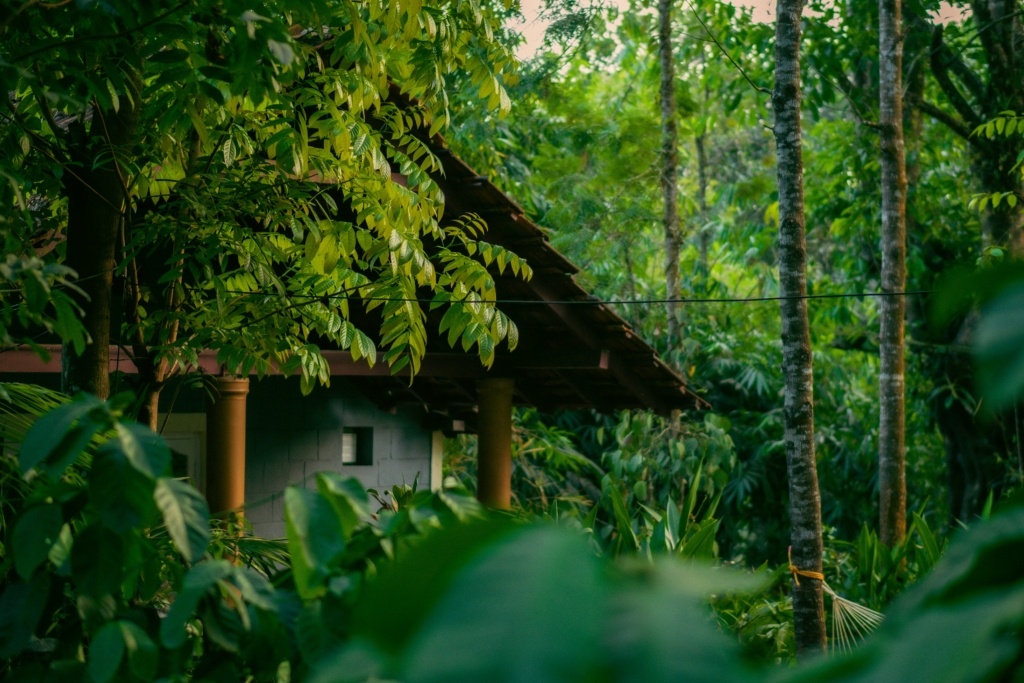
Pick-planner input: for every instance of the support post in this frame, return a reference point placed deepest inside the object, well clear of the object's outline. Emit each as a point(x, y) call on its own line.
point(494, 442)
point(225, 446)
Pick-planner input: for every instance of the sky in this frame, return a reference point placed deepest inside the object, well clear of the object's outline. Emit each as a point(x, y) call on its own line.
point(763, 11)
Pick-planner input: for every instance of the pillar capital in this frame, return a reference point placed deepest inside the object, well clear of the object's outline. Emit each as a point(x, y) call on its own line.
point(232, 385)
point(499, 385)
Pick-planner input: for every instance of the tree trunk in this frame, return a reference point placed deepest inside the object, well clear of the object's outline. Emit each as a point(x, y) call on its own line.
point(96, 205)
point(798, 408)
point(669, 166)
point(702, 199)
point(892, 481)
point(914, 45)
point(155, 368)
point(627, 257)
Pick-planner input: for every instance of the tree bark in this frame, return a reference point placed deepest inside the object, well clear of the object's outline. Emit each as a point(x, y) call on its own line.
point(96, 206)
point(669, 166)
point(892, 481)
point(798, 408)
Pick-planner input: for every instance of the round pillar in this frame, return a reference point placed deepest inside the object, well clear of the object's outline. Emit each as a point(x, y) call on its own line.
point(225, 445)
point(494, 442)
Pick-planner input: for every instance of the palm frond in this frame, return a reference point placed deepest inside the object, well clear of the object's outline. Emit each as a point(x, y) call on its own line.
point(851, 622)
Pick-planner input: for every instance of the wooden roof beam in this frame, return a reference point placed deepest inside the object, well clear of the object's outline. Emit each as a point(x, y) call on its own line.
point(583, 331)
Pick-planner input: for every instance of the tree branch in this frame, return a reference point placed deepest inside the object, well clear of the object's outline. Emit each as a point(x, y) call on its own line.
point(951, 122)
point(739, 68)
point(846, 88)
point(940, 68)
point(997, 57)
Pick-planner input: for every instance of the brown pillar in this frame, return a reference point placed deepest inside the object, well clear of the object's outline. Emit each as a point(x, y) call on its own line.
point(225, 445)
point(494, 442)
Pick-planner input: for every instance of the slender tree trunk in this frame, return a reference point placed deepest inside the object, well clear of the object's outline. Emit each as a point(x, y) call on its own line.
point(96, 205)
point(702, 197)
point(892, 480)
point(669, 165)
point(155, 368)
point(627, 258)
point(798, 408)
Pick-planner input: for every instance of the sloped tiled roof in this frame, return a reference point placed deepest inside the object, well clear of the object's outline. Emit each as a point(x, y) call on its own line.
point(574, 351)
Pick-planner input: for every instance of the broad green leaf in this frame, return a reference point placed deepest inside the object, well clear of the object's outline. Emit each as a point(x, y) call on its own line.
point(21, 606)
point(186, 517)
point(999, 348)
point(396, 602)
point(659, 629)
point(98, 561)
point(34, 535)
point(315, 538)
point(106, 652)
point(121, 494)
point(60, 436)
point(198, 581)
point(347, 496)
point(143, 656)
point(528, 608)
point(145, 450)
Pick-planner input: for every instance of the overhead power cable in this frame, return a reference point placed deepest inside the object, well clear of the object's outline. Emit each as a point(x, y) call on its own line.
point(634, 302)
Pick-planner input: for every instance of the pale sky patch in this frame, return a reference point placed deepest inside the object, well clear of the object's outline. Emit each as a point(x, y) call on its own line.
point(762, 10)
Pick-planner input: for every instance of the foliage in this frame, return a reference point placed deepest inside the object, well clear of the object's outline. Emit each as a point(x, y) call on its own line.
point(384, 595)
point(256, 178)
point(31, 298)
point(578, 152)
point(648, 470)
point(107, 556)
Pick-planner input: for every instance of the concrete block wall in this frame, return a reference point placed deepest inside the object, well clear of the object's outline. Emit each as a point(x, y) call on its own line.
point(291, 437)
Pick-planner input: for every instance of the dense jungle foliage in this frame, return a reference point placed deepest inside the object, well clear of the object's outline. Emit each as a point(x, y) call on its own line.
point(225, 171)
point(579, 152)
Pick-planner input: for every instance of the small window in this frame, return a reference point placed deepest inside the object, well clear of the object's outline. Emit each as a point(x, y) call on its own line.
point(357, 446)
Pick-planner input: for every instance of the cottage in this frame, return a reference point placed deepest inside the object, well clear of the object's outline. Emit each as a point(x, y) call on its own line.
point(259, 436)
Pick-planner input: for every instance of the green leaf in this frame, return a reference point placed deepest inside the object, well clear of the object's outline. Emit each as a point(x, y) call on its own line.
point(672, 522)
point(399, 599)
point(701, 544)
point(106, 652)
point(21, 606)
point(348, 497)
point(186, 517)
point(121, 494)
point(60, 436)
point(315, 538)
point(35, 534)
point(97, 561)
point(691, 494)
point(999, 349)
point(142, 653)
point(623, 524)
point(929, 542)
point(199, 579)
point(544, 619)
point(145, 450)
